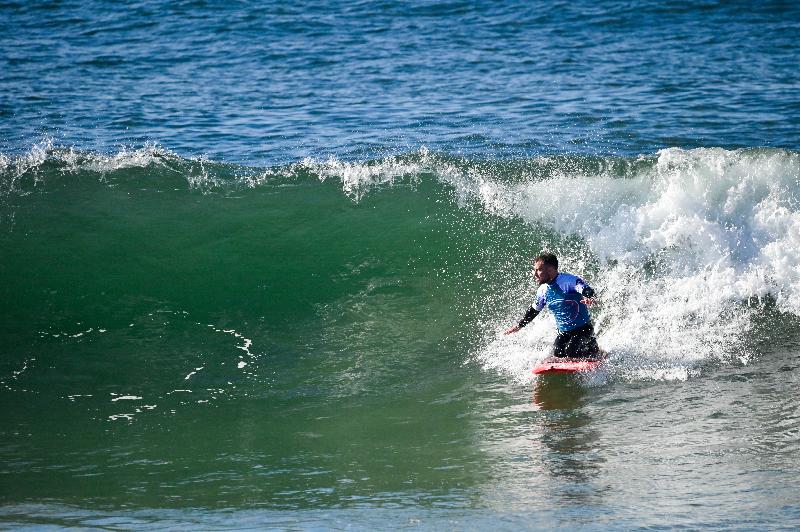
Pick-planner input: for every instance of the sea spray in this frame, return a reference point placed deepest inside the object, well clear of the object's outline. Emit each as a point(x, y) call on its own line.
point(678, 243)
point(683, 246)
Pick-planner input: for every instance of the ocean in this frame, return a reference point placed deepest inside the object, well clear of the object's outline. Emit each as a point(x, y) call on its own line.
point(256, 261)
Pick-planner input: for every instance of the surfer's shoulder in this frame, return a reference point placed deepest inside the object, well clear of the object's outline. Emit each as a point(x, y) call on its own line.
point(567, 278)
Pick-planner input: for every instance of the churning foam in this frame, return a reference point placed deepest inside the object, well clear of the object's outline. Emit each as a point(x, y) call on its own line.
point(684, 241)
point(683, 244)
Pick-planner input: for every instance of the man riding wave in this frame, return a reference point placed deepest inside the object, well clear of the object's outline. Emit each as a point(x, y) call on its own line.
point(567, 296)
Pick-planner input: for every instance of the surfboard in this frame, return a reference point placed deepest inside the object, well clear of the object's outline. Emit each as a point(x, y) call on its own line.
point(566, 365)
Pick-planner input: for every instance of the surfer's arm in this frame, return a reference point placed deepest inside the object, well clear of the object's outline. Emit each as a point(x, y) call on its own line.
point(532, 313)
point(528, 317)
point(534, 310)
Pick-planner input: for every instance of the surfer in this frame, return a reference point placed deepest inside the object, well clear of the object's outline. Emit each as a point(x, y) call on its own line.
point(567, 297)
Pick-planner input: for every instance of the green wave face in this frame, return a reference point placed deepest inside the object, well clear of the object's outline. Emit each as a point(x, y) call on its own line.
point(421, 248)
point(297, 315)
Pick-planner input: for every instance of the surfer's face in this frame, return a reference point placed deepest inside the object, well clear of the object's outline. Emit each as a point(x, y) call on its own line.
point(544, 273)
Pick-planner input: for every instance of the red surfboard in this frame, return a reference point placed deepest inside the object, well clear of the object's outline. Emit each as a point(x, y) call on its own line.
point(566, 365)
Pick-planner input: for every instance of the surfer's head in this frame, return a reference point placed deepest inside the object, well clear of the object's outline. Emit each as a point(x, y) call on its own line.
point(545, 267)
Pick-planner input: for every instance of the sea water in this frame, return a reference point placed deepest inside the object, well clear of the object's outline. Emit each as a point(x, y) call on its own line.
point(256, 262)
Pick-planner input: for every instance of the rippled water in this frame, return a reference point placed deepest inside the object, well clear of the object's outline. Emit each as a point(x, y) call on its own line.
point(256, 260)
point(273, 83)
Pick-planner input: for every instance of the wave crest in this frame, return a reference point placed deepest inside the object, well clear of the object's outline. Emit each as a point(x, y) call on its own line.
point(679, 244)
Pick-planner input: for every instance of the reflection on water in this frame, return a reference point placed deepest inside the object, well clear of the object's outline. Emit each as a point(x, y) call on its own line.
point(548, 450)
point(567, 437)
point(558, 392)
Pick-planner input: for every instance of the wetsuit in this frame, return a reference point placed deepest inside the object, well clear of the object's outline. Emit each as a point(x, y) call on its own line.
point(563, 297)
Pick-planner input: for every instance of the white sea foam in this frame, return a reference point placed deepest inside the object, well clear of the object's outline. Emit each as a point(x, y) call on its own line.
point(358, 178)
point(74, 160)
point(18, 173)
point(683, 241)
point(126, 398)
point(682, 244)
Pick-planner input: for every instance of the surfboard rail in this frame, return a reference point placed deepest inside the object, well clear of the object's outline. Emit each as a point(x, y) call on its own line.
point(566, 365)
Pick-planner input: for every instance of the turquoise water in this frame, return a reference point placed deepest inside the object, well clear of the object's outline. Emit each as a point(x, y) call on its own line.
point(257, 261)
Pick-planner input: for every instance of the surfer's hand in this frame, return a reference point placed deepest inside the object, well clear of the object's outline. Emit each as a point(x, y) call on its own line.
point(588, 301)
point(512, 330)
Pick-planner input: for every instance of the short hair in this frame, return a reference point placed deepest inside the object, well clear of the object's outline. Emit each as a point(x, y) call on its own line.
point(547, 258)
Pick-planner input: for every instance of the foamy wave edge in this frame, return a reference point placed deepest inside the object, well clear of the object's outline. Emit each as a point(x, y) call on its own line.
point(688, 248)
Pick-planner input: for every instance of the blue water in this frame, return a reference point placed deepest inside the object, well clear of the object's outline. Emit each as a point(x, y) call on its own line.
point(256, 260)
point(268, 83)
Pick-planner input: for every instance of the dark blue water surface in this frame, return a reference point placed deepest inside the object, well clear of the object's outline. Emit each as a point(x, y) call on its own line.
point(271, 82)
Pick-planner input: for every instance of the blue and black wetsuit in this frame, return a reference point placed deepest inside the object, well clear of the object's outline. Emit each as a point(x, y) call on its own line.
point(563, 297)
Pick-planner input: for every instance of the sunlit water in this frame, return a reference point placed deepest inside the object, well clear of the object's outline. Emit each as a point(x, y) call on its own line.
point(257, 261)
